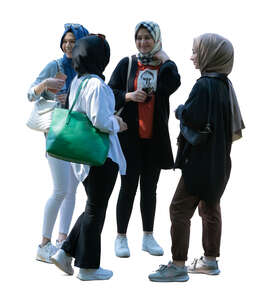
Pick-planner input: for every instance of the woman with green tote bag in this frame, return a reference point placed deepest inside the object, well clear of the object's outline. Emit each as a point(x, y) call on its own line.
point(90, 57)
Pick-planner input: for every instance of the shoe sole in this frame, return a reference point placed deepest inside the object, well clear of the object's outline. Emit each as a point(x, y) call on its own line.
point(216, 272)
point(42, 259)
point(122, 256)
point(94, 278)
point(57, 264)
point(179, 279)
point(154, 254)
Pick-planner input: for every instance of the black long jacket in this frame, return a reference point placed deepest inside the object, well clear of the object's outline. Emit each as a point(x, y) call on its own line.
point(168, 81)
point(206, 168)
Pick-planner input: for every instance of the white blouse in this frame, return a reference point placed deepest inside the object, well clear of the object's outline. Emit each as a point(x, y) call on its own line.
point(96, 99)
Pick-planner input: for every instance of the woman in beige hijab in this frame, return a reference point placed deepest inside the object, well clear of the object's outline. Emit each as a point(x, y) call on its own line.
point(210, 121)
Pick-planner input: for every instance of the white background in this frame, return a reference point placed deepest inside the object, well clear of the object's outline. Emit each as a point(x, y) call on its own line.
point(30, 37)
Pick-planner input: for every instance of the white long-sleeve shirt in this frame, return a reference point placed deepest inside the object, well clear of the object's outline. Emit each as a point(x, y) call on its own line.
point(96, 99)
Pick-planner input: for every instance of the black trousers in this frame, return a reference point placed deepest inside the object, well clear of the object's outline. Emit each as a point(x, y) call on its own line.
point(140, 166)
point(84, 241)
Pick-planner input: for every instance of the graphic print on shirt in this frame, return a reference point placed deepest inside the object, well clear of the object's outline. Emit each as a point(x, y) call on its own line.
point(147, 81)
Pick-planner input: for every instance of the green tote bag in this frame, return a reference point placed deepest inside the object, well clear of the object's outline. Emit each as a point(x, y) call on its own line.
point(72, 137)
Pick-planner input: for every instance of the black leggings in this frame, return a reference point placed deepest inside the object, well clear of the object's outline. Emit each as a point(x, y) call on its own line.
point(84, 241)
point(140, 165)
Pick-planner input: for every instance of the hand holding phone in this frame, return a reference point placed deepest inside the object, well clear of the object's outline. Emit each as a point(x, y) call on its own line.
point(55, 84)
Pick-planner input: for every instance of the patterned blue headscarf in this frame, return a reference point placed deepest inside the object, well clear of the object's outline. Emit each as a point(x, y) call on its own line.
point(78, 31)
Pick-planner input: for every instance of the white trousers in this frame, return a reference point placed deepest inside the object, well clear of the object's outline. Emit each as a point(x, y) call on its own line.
point(63, 197)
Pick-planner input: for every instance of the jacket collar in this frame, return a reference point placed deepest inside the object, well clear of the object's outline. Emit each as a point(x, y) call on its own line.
point(215, 75)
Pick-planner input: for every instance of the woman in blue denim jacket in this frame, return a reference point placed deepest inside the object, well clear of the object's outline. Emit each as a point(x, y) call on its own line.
point(53, 83)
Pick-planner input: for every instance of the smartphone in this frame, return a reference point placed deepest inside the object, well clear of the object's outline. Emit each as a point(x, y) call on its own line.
point(58, 75)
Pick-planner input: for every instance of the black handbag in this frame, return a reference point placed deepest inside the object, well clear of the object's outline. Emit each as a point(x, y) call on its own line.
point(198, 137)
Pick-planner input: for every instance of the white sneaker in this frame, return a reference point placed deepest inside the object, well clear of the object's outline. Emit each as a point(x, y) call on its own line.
point(150, 245)
point(121, 246)
point(59, 244)
point(44, 253)
point(63, 262)
point(94, 274)
point(201, 266)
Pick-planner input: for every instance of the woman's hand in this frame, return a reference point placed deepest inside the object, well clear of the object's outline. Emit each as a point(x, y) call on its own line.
point(54, 83)
point(122, 124)
point(62, 98)
point(137, 96)
point(161, 55)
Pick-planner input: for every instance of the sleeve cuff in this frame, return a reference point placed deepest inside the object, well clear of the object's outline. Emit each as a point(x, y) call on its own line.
point(115, 126)
point(179, 111)
point(32, 96)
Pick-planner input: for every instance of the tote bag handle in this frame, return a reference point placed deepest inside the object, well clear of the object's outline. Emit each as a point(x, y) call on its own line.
point(82, 84)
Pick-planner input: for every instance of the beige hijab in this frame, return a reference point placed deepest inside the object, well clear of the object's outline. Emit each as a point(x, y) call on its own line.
point(216, 54)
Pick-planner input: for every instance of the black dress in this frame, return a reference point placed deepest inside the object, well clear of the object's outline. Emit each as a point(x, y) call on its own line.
point(145, 157)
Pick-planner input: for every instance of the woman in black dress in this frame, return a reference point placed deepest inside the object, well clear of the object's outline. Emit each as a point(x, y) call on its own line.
point(205, 167)
point(144, 98)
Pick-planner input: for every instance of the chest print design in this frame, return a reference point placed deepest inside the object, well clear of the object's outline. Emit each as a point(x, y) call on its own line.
point(147, 81)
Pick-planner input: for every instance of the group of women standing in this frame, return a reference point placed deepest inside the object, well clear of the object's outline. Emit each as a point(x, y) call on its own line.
point(139, 91)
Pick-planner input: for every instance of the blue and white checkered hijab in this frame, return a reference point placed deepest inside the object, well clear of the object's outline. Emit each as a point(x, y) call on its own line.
point(154, 30)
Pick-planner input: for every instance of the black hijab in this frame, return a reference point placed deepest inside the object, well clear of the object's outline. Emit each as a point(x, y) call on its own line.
point(91, 55)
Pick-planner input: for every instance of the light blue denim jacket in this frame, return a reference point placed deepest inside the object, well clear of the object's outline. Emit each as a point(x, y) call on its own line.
point(50, 70)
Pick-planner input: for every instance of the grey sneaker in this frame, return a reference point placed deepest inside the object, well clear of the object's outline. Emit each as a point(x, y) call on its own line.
point(170, 273)
point(199, 266)
point(63, 262)
point(44, 253)
point(94, 274)
point(121, 246)
point(150, 245)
